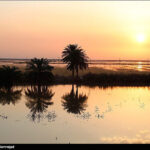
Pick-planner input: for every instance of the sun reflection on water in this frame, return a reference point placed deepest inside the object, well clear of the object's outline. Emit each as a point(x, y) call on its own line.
point(140, 66)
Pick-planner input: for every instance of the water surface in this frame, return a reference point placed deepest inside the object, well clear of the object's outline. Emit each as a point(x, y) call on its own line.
point(138, 65)
point(75, 115)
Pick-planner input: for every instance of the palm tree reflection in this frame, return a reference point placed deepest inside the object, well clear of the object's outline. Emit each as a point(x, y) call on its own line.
point(38, 100)
point(74, 102)
point(9, 95)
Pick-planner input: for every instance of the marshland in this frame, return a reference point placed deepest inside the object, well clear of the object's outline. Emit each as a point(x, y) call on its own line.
point(98, 73)
point(61, 107)
point(74, 72)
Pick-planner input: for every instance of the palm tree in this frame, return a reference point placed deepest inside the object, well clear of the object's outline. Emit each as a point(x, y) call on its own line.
point(9, 76)
point(75, 58)
point(9, 95)
point(74, 102)
point(38, 100)
point(39, 71)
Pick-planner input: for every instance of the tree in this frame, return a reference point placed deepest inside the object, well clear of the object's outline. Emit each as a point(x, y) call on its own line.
point(75, 58)
point(39, 71)
point(9, 76)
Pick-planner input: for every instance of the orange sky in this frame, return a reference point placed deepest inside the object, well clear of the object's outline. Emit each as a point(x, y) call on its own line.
point(106, 30)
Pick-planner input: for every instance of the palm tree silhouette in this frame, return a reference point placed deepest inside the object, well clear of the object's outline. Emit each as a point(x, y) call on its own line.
point(75, 58)
point(9, 75)
point(38, 100)
point(9, 95)
point(74, 102)
point(39, 71)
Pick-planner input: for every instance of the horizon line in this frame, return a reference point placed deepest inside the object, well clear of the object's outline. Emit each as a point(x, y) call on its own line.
point(89, 59)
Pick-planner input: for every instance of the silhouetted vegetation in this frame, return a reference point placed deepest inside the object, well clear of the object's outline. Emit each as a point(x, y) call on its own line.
point(9, 76)
point(38, 100)
point(74, 102)
point(116, 79)
point(75, 58)
point(9, 96)
point(39, 72)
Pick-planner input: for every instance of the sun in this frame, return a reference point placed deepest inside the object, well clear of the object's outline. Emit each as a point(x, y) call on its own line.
point(140, 38)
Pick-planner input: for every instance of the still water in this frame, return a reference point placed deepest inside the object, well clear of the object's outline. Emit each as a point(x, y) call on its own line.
point(138, 65)
point(70, 114)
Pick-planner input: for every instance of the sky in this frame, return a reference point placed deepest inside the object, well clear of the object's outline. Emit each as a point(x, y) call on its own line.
point(104, 29)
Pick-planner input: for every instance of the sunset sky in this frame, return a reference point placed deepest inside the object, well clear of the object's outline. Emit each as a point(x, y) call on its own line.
point(106, 30)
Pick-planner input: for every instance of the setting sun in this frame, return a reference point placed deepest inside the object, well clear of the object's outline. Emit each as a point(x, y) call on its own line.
point(140, 38)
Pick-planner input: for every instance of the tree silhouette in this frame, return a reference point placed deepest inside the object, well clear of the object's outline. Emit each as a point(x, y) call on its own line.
point(9, 95)
point(75, 58)
point(39, 71)
point(9, 76)
point(74, 102)
point(38, 100)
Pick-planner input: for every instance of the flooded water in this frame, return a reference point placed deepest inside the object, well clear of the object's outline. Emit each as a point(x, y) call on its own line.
point(138, 65)
point(71, 114)
point(116, 65)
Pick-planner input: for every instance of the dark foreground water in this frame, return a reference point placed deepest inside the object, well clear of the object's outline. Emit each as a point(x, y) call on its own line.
point(70, 114)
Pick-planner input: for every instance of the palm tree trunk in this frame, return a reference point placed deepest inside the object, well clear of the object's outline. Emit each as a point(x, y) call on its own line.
point(77, 71)
point(76, 91)
point(39, 89)
point(72, 90)
point(73, 74)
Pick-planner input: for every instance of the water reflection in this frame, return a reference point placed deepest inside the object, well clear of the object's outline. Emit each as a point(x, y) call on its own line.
point(112, 116)
point(9, 95)
point(84, 116)
point(140, 66)
point(74, 102)
point(38, 100)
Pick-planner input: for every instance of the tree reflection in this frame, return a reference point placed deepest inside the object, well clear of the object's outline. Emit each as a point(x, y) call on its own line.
point(38, 100)
point(9, 95)
point(74, 102)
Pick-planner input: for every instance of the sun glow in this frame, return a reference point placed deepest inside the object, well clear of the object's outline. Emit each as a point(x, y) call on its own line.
point(139, 67)
point(140, 38)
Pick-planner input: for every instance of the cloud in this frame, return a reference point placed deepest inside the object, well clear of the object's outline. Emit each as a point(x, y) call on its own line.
point(142, 137)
